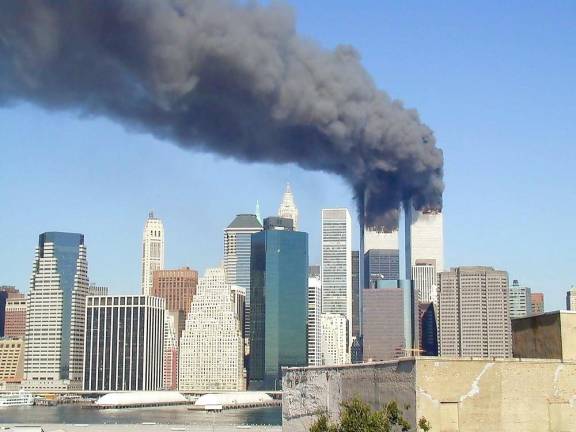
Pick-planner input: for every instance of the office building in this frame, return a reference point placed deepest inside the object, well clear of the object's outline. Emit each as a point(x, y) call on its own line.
point(314, 329)
point(571, 299)
point(474, 318)
point(383, 335)
point(428, 238)
point(177, 287)
point(170, 374)
point(237, 248)
point(314, 271)
point(11, 359)
point(212, 347)
point(336, 266)
point(334, 337)
point(55, 313)
point(15, 317)
point(124, 343)
point(97, 290)
point(152, 251)
point(519, 300)
point(288, 209)
point(428, 329)
point(356, 294)
point(424, 277)
point(279, 310)
point(537, 303)
point(381, 264)
point(7, 292)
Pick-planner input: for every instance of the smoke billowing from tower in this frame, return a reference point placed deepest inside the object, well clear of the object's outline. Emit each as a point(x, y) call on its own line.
point(223, 77)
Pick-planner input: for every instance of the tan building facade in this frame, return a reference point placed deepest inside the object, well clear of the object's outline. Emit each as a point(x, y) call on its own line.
point(473, 311)
point(11, 359)
point(454, 395)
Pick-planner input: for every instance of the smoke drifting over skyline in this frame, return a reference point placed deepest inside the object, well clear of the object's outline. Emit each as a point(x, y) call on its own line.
point(226, 78)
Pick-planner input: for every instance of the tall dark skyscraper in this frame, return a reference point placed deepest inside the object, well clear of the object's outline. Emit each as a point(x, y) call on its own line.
point(428, 329)
point(279, 309)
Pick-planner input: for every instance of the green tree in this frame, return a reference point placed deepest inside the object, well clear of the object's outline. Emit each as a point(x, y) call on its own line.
point(357, 416)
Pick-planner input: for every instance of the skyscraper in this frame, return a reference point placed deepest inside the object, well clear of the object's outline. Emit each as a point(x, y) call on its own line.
point(170, 374)
point(15, 321)
point(571, 299)
point(336, 267)
point(428, 329)
point(474, 318)
point(237, 247)
point(11, 359)
point(428, 238)
point(288, 207)
point(55, 314)
point(424, 277)
point(381, 264)
point(334, 336)
point(152, 251)
point(212, 347)
point(519, 300)
point(537, 303)
point(124, 343)
point(279, 310)
point(97, 290)
point(314, 329)
point(178, 288)
point(6, 293)
point(383, 336)
point(356, 306)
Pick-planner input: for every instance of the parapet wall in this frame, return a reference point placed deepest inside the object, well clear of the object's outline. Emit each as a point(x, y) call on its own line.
point(307, 392)
point(453, 394)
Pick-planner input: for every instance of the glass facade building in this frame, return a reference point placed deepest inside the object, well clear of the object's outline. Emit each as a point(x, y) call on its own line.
point(381, 264)
point(279, 296)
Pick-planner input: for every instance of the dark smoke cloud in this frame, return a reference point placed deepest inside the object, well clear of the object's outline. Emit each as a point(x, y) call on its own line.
point(226, 78)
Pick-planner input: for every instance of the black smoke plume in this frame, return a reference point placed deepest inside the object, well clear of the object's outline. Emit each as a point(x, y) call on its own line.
point(225, 77)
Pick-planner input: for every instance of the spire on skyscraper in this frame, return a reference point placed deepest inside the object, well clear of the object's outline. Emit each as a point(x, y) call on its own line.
point(288, 207)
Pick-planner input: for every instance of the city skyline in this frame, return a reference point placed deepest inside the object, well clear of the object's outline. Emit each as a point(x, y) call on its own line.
point(117, 175)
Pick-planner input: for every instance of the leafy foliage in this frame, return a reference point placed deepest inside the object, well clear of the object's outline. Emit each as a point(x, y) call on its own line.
point(424, 424)
point(358, 416)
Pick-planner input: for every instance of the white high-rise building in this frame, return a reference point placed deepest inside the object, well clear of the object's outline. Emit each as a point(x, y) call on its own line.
point(428, 238)
point(288, 207)
point(314, 323)
point(152, 251)
point(336, 268)
point(211, 346)
point(424, 277)
point(519, 300)
point(334, 337)
point(55, 313)
point(237, 250)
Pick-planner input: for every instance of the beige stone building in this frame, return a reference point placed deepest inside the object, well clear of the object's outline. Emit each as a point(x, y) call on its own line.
point(474, 313)
point(551, 335)
point(453, 394)
point(11, 359)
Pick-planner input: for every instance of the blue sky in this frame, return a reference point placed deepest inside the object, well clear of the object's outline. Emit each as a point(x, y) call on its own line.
point(495, 80)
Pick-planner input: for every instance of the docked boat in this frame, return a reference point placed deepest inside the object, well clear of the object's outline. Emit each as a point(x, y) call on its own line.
point(21, 398)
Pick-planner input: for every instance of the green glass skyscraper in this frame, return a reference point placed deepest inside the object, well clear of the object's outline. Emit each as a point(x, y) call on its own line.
point(279, 296)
